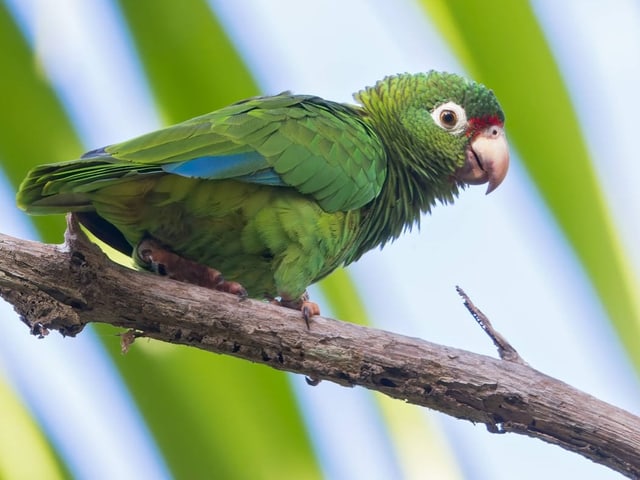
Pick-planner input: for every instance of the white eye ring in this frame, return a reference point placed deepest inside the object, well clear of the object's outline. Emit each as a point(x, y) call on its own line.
point(450, 117)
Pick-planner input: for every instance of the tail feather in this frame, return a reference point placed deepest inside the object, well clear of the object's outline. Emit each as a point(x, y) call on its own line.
point(66, 186)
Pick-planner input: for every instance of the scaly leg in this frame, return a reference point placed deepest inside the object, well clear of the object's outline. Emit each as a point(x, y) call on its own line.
point(156, 257)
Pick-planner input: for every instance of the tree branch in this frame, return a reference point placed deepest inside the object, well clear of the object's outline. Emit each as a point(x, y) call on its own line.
point(65, 287)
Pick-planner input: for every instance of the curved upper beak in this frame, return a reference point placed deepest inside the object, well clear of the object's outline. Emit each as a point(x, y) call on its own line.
point(487, 159)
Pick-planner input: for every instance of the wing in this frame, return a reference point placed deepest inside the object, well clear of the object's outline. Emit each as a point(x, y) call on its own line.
point(322, 149)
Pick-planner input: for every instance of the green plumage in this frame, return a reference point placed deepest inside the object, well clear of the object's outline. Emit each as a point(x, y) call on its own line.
point(275, 192)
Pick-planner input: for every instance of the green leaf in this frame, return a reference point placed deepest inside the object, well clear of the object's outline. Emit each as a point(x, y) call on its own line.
point(507, 50)
point(24, 450)
point(36, 129)
point(191, 65)
point(216, 416)
point(415, 440)
point(344, 298)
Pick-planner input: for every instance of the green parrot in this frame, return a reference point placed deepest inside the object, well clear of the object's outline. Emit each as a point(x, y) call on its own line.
point(276, 192)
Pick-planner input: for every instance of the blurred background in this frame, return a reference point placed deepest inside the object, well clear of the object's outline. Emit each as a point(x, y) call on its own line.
point(551, 257)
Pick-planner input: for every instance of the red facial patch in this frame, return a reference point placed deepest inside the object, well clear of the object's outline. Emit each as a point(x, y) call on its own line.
point(478, 124)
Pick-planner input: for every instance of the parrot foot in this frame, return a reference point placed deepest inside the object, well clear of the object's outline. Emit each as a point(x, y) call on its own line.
point(308, 309)
point(153, 255)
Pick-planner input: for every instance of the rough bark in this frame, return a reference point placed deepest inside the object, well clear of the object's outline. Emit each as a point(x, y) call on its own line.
point(65, 287)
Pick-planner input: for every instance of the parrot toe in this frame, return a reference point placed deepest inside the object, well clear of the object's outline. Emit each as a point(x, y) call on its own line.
point(154, 256)
point(232, 287)
point(308, 309)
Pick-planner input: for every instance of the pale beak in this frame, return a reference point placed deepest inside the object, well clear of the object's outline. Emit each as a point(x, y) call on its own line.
point(487, 159)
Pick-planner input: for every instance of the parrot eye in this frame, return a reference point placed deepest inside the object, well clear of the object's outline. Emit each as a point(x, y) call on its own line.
point(448, 118)
point(451, 117)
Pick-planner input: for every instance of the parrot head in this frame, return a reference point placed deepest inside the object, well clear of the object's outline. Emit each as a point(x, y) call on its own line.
point(448, 130)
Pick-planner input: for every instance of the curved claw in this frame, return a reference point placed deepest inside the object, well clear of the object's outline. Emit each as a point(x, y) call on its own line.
point(308, 309)
point(312, 381)
point(232, 287)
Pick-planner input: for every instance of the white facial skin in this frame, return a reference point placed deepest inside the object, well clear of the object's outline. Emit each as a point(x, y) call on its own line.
point(486, 158)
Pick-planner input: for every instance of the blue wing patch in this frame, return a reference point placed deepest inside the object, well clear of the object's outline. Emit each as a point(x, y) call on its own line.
point(250, 167)
point(263, 177)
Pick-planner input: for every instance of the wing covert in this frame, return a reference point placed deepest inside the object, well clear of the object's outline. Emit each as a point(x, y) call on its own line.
point(323, 149)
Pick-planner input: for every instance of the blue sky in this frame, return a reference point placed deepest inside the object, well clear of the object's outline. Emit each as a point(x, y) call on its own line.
point(503, 248)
